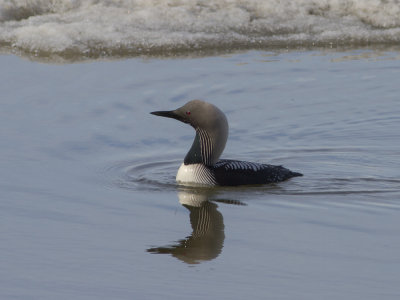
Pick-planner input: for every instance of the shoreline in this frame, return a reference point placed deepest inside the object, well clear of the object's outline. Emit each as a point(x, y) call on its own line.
point(371, 51)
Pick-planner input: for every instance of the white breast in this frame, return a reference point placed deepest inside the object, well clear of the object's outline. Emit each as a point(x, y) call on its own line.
point(195, 174)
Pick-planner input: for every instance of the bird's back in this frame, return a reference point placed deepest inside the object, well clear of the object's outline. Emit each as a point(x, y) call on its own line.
point(234, 172)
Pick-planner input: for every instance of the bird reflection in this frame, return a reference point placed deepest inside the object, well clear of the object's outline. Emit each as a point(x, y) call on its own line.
point(207, 239)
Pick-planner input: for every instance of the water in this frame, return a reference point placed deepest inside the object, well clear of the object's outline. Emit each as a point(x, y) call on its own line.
point(81, 29)
point(90, 209)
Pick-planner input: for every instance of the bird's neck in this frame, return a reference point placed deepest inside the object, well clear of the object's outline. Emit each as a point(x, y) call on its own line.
point(206, 148)
point(194, 155)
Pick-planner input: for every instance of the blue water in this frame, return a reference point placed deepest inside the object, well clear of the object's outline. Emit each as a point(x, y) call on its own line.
point(89, 207)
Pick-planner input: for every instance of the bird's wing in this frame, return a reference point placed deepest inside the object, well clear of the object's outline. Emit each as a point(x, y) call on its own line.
point(235, 172)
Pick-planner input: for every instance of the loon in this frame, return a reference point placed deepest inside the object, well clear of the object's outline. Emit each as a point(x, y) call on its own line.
point(202, 165)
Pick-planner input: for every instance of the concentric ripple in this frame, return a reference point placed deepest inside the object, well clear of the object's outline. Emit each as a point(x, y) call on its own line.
point(148, 174)
point(158, 174)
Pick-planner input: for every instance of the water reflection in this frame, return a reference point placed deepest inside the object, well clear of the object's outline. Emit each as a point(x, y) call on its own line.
point(207, 239)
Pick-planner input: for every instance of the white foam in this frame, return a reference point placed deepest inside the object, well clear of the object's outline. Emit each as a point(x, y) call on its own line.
point(105, 27)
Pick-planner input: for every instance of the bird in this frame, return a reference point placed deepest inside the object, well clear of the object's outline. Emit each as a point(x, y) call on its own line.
point(202, 164)
point(206, 241)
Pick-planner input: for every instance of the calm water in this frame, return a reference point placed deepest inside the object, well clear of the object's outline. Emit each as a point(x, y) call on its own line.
point(89, 207)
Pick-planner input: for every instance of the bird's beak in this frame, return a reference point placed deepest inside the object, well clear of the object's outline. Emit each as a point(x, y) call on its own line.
point(170, 114)
point(165, 113)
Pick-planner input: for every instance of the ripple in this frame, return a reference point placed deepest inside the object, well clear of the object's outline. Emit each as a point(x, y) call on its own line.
point(155, 174)
point(144, 174)
point(343, 186)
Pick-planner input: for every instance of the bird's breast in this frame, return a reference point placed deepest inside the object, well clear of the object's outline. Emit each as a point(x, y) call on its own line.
point(195, 174)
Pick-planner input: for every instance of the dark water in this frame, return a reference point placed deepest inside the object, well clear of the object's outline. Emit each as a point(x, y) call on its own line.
point(90, 208)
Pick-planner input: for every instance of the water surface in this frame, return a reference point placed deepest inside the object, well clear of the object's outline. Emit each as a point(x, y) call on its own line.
point(90, 208)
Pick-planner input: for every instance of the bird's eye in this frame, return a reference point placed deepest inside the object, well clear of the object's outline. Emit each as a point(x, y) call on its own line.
point(188, 113)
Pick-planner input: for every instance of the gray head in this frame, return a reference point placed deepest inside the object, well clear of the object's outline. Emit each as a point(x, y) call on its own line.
point(211, 130)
